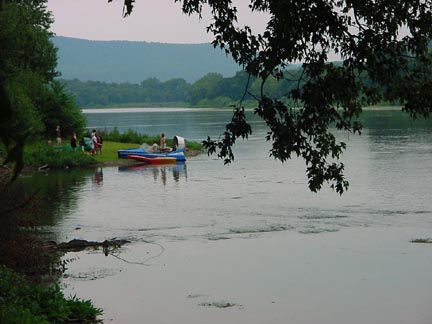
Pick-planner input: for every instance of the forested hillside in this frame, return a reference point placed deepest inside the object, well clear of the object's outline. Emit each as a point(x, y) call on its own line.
point(126, 61)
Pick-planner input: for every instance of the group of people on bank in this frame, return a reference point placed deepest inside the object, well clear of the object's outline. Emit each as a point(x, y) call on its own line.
point(93, 145)
point(96, 142)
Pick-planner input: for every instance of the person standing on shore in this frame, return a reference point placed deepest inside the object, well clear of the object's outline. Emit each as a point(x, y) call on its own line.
point(73, 142)
point(58, 135)
point(94, 142)
point(162, 142)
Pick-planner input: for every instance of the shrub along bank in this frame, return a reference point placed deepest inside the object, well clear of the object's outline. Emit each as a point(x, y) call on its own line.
point(41, 154)
point(23, 302)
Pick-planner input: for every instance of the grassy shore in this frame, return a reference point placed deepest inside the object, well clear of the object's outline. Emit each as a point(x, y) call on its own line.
point(43, 156)
point(109, 151)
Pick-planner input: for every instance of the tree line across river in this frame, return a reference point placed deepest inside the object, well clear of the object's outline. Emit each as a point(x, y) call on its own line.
point(212, 90)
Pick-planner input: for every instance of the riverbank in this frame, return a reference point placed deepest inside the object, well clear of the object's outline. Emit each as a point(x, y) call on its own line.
point(29, 267)
point(41, 156)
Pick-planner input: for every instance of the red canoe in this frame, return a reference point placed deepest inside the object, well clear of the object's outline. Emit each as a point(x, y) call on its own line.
point(153, 160)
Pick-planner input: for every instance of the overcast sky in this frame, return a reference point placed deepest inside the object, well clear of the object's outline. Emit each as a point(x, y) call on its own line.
point(152, 21)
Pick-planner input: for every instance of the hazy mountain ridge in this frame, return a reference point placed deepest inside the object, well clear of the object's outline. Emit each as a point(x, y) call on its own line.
point(128, 61)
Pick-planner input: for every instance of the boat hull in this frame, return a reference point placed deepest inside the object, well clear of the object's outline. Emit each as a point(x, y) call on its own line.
point(177, 154)
point(153, 160)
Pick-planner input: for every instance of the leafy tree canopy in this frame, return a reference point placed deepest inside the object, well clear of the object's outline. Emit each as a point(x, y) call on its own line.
point(31, 102)
point(386, 40)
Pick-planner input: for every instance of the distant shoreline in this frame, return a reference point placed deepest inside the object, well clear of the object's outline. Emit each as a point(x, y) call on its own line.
point(171, 109)
point(122, 110)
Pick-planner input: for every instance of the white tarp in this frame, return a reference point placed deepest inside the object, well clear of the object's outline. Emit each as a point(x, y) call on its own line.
point(178, 142)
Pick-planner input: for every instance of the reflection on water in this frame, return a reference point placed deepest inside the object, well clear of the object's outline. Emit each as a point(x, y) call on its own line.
point(251, 233)
point(57, 193)
point(98, 176)
point(177, 170)
point(387, 167)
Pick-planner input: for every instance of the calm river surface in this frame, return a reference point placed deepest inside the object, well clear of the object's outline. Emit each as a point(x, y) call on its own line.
point(250, 235)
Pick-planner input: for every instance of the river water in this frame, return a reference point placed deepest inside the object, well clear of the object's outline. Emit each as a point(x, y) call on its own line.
point(248, 242)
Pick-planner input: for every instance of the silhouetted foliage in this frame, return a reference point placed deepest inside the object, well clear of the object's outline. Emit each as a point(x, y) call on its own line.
point(369, 38)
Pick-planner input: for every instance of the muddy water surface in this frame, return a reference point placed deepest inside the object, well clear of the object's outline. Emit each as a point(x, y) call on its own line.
point(248, 243)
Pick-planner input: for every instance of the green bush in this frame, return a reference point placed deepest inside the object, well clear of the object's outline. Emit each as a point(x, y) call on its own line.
point(41, 154)
point(194, 146)
point(22, 302)
point(130, 136)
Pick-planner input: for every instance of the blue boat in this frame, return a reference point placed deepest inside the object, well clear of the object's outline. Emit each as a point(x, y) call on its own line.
point(178, 154)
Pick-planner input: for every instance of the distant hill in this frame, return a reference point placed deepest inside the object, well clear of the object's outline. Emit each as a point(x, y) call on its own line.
point(126, 61)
